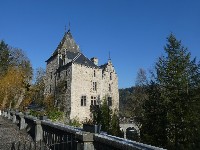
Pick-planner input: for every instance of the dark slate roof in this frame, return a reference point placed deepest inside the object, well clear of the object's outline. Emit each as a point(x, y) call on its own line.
point(103, 66)
point(71, 55)
point(84, 61)
point(67, 43)
point(72, 51)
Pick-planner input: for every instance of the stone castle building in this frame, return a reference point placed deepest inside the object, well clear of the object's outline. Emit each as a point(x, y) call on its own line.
point(76, 82)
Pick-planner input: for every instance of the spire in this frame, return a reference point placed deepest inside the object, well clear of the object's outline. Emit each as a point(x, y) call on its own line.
point(65, 29)
point(109, 59)
point(69, 26)
point(109, 56)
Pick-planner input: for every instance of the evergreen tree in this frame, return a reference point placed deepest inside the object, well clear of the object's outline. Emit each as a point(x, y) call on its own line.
point(108, 119)
point(4, 58)
point(153, 130)
point(106, 116)
point(114, 125)
point(177, 112)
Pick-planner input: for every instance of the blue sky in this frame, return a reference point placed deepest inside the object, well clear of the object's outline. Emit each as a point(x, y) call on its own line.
point(134, 31)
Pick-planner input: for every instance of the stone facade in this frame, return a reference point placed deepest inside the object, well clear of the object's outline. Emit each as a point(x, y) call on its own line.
point(77, 82)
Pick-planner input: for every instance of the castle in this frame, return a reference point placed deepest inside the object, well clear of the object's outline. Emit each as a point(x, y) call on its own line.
point(76, 82)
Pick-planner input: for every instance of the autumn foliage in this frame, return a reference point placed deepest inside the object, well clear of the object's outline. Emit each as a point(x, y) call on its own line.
point(15, 77)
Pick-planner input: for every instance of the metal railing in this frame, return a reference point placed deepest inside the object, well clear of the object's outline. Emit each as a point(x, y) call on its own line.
point(30, 145)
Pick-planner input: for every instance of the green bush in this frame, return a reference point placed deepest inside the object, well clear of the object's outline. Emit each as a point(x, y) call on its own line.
point(55, 115)
point(75, 122)
point(36, 113)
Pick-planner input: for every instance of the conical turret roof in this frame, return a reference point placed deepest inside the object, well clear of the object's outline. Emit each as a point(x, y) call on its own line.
point(67, 43)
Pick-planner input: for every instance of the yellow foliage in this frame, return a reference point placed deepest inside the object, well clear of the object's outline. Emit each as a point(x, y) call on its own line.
point(49, 102)
point(11, 85)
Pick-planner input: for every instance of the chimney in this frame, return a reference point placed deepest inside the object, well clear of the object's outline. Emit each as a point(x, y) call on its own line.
point(94, 60)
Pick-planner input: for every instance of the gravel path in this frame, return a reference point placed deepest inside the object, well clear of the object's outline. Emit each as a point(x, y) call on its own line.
point(10, 133)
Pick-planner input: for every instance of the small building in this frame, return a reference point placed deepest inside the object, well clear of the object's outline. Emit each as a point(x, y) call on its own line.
point(76, 82)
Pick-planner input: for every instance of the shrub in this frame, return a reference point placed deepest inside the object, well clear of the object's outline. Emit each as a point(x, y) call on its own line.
point(75, 122)
point(55, 115)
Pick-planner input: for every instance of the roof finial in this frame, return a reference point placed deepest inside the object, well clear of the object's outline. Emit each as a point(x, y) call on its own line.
point(109, 56)
point(65, 29)
point(69, 26)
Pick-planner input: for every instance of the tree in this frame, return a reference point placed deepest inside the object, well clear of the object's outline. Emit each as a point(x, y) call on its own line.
point(108, 119)
point(177, 106)
point(38, 87)
point(15, 76)
point(153, 129)
point(4, 58)
point(114, 125)
point(106, 115)
point(139, 96)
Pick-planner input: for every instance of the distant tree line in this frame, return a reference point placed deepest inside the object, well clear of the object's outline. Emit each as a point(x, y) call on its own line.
point(166, 106)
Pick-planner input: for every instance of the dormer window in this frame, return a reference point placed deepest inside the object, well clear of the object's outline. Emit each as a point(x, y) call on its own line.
point(63, 59)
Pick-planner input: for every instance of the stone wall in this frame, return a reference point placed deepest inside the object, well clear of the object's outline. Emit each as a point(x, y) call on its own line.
point(82, 85)
point(109, 78)
point(70, 82)
point(50, 78)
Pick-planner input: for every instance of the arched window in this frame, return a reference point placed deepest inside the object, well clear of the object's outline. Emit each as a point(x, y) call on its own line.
point(110, 76)
point(94, 73)
point(109, 88)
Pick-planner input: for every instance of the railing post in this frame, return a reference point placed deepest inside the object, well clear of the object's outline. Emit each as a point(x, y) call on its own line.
point(86, 139)
point(5, 113)
point(38, 131)
point(13, 117)
point(22, 123)
point(124, 134)
point(8, 114)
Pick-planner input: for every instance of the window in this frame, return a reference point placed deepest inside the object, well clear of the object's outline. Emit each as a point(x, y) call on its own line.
point(50, 89)
point(109, 101)
point(109, 88)
point(94, 86)
point(83, 100)
point(58, 75)
point(60, 62)
point(63, 59)
point(94, 73)
point(93, 100)
point(110, 76)
point(66, 84)
point(51, 75)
